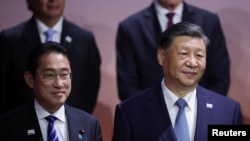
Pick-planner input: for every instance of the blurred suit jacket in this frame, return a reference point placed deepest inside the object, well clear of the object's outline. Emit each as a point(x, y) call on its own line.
point(144, 116)
point(15, 44)
point(14, 126)
point(136, 47)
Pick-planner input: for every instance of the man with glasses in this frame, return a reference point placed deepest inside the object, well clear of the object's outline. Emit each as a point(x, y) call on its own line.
point(48, 73)
point(16, 42)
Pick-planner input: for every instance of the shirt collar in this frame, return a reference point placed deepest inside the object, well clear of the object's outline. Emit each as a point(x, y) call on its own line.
point(42, 113)
point(42, 27)
point(171, 98)
point(163, 11)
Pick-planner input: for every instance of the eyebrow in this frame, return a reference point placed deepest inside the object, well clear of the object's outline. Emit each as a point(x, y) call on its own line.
point(51, 69)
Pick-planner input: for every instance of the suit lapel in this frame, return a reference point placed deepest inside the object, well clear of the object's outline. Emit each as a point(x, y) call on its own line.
point(152, 25)
point(188, 13)
point(204, 108)
point(158, 111)
point(30, 34)
point(67, 38)
point(32, 128)
point(74, 125)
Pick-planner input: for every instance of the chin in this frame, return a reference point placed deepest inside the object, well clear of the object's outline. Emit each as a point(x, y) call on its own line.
point(190, 83)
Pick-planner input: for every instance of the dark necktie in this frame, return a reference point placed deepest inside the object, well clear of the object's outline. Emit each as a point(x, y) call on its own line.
point(49, 34)
point(170, 19)
point(52, 136)
point(181, 125)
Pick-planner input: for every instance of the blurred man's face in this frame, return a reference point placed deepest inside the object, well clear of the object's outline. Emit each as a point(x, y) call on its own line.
point(169, 3)
point(47, 9)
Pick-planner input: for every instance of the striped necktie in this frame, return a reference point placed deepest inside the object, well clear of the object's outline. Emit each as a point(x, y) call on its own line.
point(181, 125)
point(52, 136)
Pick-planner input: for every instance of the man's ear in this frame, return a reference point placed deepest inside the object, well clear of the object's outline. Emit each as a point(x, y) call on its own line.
point(161, 55)
point(29, 78)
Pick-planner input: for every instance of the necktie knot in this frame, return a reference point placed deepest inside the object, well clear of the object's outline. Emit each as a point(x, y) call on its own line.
point(49, 34)
point(170, 19)
point(181, 103)
point(170, 15)
point(51, 119)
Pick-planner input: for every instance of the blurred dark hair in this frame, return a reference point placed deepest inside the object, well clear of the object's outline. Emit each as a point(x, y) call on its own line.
point(182, 29)
point(37, 52)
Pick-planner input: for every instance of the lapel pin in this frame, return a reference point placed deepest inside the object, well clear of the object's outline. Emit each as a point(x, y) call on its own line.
point(81, 135)
point(31, 132)
point(209, 105)
point(68, 39)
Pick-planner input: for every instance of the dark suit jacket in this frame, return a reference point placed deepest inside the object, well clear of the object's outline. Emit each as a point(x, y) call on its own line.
point(144, 116)
point(16, 43)
point(15, 124)
point(136, 47)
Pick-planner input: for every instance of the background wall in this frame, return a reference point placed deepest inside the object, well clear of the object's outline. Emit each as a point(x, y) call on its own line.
point(102, 17)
